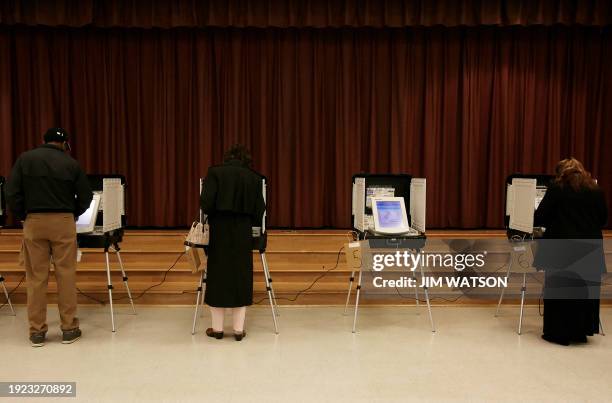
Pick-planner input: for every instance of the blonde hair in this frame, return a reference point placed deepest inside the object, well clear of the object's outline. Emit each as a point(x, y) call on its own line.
point(570, 172)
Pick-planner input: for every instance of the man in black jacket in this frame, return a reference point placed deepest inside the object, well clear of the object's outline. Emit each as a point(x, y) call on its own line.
point(48, 190)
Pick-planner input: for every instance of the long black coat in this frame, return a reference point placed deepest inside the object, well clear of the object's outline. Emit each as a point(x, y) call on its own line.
point(573, 221)
point(232, 197)
point(572, 255)
point(571, 214)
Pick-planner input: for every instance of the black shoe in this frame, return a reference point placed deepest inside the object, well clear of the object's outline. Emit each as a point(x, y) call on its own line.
point(555, 340)
point(38, 339)
point(239, 336)
point(70, 336)
point(211, 333)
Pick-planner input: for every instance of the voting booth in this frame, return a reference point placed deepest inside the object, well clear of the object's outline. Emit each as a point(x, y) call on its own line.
point(388, 212)
point(524, 192)
point(260, 242)
point(366, 188)
point(2, 223)
point(102, 227)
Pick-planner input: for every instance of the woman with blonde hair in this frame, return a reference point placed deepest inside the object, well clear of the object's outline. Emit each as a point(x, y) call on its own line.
point(573, 212)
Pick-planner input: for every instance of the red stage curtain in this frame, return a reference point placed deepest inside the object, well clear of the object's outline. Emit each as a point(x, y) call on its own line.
point(463, 107)
point(303, 13)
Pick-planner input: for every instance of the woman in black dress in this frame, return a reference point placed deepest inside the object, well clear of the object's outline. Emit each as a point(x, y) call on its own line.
point(232, 198)
point(573, 212)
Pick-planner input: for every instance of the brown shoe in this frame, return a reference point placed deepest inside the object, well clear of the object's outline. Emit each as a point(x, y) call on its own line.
point(239, 336)
point(211, 333)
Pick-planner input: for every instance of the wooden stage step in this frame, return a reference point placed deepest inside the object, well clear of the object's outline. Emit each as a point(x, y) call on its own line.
point(295, 258)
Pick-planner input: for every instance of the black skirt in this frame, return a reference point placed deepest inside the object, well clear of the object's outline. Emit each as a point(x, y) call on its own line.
point(571, 307)
point(229, 277)
point(573, 269)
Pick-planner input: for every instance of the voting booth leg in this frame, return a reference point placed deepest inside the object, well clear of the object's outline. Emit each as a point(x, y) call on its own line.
point(601, 331)
point(197, 303)
point(109, 285)
point(8, 297)
point(348, 294)
point(202, 300)
point(416, 292)
point(501, 295)
point(125, 278)
point(273, 296)
point(269, 290)
point(357, 302)
point(264, 263)
point(426, 291)
point(523, 289)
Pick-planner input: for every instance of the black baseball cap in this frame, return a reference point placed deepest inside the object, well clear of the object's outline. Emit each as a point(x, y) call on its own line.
point(56, 134)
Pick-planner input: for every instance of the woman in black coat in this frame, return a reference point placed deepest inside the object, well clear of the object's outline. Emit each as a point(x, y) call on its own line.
point(232, 198)
point(573, 212)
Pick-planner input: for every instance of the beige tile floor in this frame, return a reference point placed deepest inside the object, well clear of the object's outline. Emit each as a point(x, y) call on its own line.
point(393, 357)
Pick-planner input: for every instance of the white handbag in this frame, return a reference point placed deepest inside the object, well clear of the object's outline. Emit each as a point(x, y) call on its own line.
point(199, 234)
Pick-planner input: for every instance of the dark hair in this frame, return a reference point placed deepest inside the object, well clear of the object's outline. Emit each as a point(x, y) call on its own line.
point(240, 153)
point(570, 172)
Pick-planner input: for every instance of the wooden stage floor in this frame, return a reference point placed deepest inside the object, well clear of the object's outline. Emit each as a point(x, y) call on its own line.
point(296, 259)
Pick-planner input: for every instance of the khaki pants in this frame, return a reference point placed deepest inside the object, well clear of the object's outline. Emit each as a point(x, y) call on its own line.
point(46, 235)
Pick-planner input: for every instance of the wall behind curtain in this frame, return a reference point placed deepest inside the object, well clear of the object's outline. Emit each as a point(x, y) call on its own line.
point(463, 107)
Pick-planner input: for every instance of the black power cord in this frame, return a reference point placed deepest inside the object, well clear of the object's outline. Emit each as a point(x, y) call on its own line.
point(158, 284)
point(319, 277)
point(532, 275)
point(101, 302)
